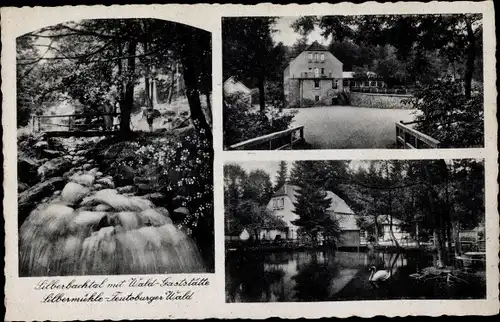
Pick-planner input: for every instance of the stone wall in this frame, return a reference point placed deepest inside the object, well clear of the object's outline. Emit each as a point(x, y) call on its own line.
point(393, 101)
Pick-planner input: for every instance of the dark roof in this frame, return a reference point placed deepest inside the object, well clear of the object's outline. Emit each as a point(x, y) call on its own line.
point(315, 46)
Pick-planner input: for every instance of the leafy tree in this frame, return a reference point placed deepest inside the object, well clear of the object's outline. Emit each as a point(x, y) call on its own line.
point(448, 115)
point(249, 50)
point(258, 187)
point(242, 122)
point(110, 55)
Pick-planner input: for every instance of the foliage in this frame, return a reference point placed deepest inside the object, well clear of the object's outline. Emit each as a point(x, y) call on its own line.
point(98, 62)
point(249, 51)
point(245, 201)
point(311, 204)
point(448, 115)
point(181, 168)
point(282, 175)
point(242, 122)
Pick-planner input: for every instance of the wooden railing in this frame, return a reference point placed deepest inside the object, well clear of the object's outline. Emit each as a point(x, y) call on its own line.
point(87, 122)
point(275, 141)
point(408, 138)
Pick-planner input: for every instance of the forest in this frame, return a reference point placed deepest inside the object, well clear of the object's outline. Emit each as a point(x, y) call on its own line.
point(434, 199)
point(92, 66)
point(438, 56)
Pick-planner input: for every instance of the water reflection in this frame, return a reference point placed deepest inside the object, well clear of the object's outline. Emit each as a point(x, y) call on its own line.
point(312, 276)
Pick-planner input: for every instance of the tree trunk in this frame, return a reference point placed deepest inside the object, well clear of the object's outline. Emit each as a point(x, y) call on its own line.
point(456, 238)
point(147, 90)
point(438, 229)
point(262, 95)
point(192, 86)
point(209, 106)
point(471, 56)
point(171, 88)
point(129, 90)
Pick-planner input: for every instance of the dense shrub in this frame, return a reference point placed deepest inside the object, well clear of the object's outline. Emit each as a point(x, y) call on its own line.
point(243, 122)
point(448, 115)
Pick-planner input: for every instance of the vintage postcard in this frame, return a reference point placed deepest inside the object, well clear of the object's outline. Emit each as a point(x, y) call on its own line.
point(156, 163)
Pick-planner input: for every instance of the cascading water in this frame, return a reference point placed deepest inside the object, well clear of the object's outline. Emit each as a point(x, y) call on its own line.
point(71, 235)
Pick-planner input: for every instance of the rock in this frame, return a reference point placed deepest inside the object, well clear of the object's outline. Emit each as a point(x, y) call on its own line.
point(73, 193)
point(41, 144)
point(51, 153)
point(27, 169)
point(81, 152)
point(102, 207)
point(70, 173)
point(54, 167)
point(145, 188)
point(125, 189)
point(99, 174)
point(72, 153)
point(93, 171)
point(98, 186)
point(83, 179)
point(154, 197)
point(28, 199)
point(57, 192)
point(182, 210)
point(86, 166)
point(107, 182)
point(74, 162)
point(22, 186)
point(124, 175)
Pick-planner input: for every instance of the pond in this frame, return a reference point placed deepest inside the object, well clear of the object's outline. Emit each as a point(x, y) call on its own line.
point(313, 276)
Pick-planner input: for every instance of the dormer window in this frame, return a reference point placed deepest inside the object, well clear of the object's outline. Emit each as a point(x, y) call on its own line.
point(310, 56)
point(322, 57)
point(316, 56)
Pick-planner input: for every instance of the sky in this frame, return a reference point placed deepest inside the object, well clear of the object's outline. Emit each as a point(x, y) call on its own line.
point(286, 34)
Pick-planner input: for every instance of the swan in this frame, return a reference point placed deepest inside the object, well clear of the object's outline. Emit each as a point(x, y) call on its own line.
point(378, 276)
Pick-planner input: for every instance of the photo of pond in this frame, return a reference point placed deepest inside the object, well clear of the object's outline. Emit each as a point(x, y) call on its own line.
point(312, 276)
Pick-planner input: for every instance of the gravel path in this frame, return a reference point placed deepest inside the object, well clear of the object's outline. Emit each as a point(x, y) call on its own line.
point(348, 127)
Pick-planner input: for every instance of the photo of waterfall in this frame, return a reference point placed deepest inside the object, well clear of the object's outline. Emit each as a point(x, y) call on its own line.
point(115, 156)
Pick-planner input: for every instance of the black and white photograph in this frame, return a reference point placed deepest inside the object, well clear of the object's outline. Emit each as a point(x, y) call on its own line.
point(335, 230)
point(353, 82)
point(115, 153)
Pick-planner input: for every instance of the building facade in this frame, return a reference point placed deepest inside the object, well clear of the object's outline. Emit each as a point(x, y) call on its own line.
point(281, 205)
point(314, 77)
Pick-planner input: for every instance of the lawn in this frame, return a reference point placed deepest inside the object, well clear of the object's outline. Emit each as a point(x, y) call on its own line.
point(348, 127)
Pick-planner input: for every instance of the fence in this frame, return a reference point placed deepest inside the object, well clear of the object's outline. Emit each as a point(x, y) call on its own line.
point(408, 138)
point(73, 122)
point(275, 141)
point(382, 90)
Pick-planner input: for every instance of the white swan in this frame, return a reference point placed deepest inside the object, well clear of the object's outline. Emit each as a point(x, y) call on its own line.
point(378, 276)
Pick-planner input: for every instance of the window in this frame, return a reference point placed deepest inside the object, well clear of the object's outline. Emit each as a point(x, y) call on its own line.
point(322, 71)
point(275, 204)
point(316, 83)
point(316, 56)
point(281, 203)
point(310, 56)
point(316, 98)
point(334, 84)
point(316, 72)
point(345, 83)
point(322, 57)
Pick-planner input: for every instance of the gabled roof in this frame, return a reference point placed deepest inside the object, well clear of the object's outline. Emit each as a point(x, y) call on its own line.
point(338, 207)
point(337, 204)
point(315, 46)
